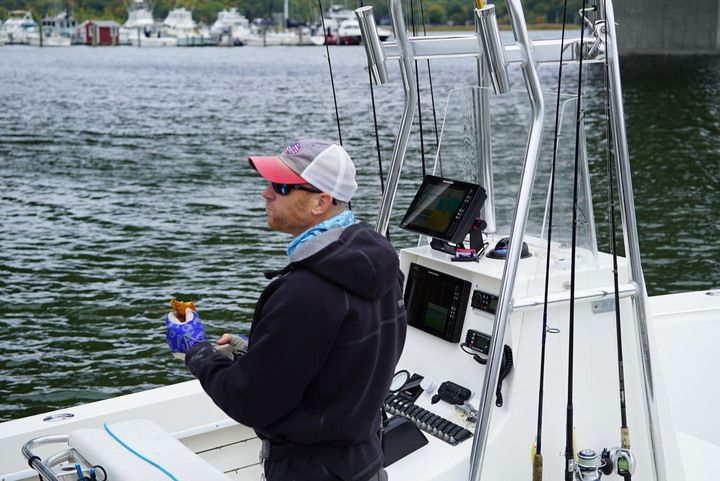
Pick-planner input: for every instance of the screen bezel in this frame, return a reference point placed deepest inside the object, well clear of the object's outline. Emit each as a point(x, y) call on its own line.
point(473, 198)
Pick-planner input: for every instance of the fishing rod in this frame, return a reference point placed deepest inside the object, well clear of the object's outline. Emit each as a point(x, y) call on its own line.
point(332, 77)
point(417, 90)
point(537, 458)
point(622, 459)
point(432, 90)
point(569, 422)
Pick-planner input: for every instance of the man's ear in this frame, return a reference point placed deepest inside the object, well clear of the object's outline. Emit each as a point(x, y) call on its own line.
point(322, 203)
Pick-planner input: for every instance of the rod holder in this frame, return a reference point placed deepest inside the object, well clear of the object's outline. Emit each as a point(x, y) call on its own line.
point(373, 45)
point(486, 26)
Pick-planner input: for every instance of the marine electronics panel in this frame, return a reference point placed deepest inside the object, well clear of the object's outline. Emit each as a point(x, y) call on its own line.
point(436, 302)
point(439, 376)
point(450, 309)
point(444, 209)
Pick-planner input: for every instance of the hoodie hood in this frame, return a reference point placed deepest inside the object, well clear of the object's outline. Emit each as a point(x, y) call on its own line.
point(355, 258)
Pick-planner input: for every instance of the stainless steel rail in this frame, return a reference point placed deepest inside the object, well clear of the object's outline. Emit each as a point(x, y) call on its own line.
point(35, 462)
point(626, 290)
point(406, 121)
point(522, 208)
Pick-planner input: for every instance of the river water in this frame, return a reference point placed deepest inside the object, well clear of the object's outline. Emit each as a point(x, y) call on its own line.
point(125, 184)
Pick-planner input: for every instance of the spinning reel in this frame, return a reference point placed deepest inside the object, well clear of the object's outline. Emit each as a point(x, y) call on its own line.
point(591, 468)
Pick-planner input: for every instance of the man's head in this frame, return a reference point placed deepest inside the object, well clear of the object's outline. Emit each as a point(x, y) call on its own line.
point(311, 180)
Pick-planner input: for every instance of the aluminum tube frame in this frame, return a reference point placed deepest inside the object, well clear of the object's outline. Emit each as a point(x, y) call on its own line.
point(35, 462)
point(484, 144)
point(632, 243)
point(400, 147)
point(522, 208)
point(625, 290)
point(373, 45)
point(486, 27)
point(463, 46)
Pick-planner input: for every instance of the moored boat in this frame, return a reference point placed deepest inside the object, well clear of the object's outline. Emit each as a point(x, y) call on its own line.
point(139, 25)
point(50, 38)
point(230, 27)
point(349, 33)
point(339, 26)
point(153, 40)
point(17, 26)
point(260, 34)
point(63, 24)
point(180, 25)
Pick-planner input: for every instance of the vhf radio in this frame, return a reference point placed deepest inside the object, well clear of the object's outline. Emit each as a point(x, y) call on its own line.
point(477, 341)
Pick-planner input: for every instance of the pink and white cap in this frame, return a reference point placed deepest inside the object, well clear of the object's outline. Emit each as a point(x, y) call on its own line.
point(322, 164)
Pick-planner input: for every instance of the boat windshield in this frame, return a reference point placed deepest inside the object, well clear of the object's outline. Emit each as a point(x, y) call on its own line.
point(466, 154)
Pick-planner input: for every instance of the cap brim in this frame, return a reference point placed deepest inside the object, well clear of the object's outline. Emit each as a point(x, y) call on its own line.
point(275, 170)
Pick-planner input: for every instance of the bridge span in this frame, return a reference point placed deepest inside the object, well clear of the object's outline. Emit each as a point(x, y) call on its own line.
point(668, 27)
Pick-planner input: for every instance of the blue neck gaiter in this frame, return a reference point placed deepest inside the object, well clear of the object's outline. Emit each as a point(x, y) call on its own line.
point(343, 219)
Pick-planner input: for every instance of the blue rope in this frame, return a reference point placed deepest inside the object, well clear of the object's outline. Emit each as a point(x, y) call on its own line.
point(138, 454)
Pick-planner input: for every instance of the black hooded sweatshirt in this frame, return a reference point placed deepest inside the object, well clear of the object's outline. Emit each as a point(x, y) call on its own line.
point(325, 339)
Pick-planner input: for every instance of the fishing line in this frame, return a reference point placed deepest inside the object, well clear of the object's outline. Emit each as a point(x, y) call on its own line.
point(538, 460)
point(332, 77)
point(569, 448)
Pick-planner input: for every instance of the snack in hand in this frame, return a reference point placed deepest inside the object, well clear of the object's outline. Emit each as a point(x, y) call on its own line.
point(180, 306)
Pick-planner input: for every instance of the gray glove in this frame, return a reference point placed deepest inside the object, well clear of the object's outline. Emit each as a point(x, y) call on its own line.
point(235, 348)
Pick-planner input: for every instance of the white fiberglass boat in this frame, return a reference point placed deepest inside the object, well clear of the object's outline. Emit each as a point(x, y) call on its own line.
point(230, 27)
point(153, 40)
point(261, 35)
point(341, 28)
point(50, 38)
point(540, 355)
point(140, 29)
point(17, 26)
point(180, 25)
point(348, 32)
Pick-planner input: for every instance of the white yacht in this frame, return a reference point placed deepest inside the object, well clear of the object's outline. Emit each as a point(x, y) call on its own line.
point(140, 23)
point(230, 27)
point(180, 25)
point(18, 24)
point(348, 32)
point(341, 28)
point(63, 24)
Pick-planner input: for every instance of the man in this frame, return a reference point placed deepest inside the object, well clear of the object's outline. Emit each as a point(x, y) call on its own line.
point(326, 333)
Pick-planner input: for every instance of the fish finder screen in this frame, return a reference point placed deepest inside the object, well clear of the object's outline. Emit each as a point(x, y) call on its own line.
point(436, 302)
point(444, 209)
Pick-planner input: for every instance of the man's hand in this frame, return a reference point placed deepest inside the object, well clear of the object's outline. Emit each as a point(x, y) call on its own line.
point(181, 336)
point(232, 346)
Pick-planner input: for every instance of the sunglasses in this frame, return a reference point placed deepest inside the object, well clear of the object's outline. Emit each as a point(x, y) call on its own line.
point(285, 189)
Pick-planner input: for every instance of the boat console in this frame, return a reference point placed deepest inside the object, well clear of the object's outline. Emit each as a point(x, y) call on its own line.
point(451, 310)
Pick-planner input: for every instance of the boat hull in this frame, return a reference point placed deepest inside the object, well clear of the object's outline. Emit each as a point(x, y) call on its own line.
point(153, 42)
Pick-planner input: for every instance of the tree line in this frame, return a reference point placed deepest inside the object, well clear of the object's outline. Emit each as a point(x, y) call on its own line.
point(438, 13)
